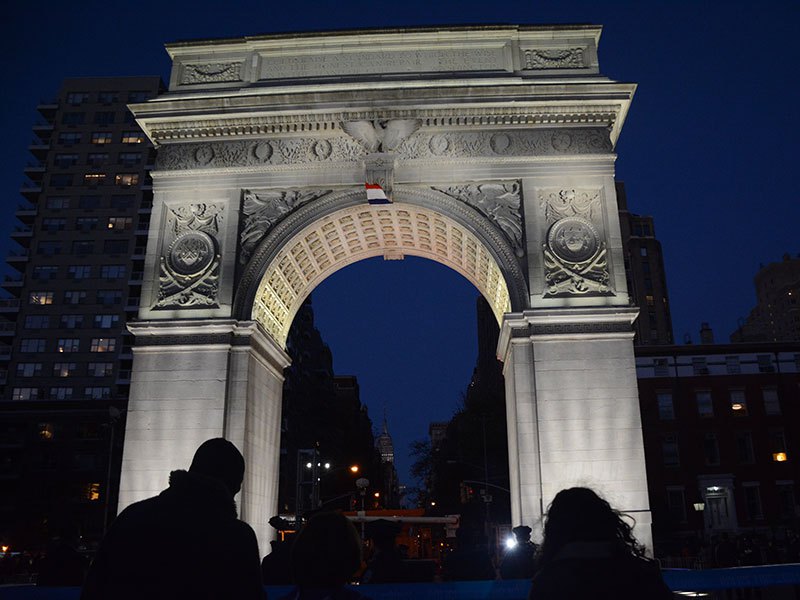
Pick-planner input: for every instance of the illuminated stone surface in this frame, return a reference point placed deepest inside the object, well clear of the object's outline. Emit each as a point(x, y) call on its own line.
point(497, 147)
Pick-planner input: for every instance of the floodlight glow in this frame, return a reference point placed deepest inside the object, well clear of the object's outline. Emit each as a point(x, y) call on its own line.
point(511, 543)
point(354, 469)
point(779, 456)
point(308, 465)
point(327, 465)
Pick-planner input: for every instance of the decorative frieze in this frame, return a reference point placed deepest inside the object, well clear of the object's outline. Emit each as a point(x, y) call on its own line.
point(220, 72)
point(554, 58)
point(575, 255)
point(381, 136)
point(262, 209)
point(500, 202)
point(189, 265)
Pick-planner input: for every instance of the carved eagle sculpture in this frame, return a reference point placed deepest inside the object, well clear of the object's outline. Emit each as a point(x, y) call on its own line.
point(381, 136)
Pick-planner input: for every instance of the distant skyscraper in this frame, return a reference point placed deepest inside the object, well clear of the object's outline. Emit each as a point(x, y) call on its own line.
point(776, 316)
point(647, 279)
point(384, 443)
point(67, 353)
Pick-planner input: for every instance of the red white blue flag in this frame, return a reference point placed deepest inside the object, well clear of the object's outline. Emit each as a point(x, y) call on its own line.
point(375, 194)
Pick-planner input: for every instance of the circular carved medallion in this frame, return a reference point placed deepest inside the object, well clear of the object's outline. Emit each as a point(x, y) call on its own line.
point(322, 149)
point(573, 239)
point(439, 144)
point(204, 155)
point(500, 143)
point(561, 140)
point(191, 252)
point(263, 151)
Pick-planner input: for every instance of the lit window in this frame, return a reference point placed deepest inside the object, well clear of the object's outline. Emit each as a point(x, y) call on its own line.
point(103, 345)
point(68, 345)
point(101, 137)
point(94, 178)
point(132, 137)
point(777, 445)
point(41, 298)
point(666, 409)
point(738, 403)
point(64, 369)
point(772, 405)
point(705, 407)
point(119, 223)
point(46, 431)
point(126, 179)
point(25, 393)
point(29, 369)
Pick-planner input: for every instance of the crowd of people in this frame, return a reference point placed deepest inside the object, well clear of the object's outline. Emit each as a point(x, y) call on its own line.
point(157, 547)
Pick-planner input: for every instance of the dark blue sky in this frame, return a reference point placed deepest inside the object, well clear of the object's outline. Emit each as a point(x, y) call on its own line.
point(708, 149)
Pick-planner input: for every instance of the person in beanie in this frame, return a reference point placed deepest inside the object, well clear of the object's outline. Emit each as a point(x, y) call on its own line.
point(187, 542)
point(518, 563)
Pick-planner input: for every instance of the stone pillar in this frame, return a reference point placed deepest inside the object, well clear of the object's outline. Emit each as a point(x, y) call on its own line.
point(573, 410)
point(196, 380)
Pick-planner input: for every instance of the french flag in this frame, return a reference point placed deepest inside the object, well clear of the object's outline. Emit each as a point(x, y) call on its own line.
point(375, 194)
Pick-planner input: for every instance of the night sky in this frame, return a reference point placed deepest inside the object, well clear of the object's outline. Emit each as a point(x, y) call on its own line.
point(707, 150)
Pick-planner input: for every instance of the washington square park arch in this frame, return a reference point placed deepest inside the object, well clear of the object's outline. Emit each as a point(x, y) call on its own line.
point(496, 146)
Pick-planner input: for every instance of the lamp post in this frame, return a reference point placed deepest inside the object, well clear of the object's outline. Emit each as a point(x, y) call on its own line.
point(362, 484)
point(699, 507)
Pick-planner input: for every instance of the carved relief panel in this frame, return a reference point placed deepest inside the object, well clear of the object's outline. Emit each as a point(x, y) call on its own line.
point(574, 247)
point(189, 264)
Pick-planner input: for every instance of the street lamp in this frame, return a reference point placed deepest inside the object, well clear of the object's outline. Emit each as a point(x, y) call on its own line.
point(699, 507)
point(362, 484)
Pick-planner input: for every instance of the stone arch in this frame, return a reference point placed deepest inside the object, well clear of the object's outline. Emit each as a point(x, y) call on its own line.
point(339, 229)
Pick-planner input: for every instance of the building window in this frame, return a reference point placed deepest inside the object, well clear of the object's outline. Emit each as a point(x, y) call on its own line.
point(52, 225)
point(57, 202)
point(68, 345)
point(64, 369)
point(661, 367)
point(107, 97)
point(744, 448)
point(73, 118)
point(32, 345)
point(132, 137)
point(96, 159)
point(103, 345)
point(76, 98)
point(705, 407)
point(92, 179)
point(37, 322)
point(97, 393)
point(786, 501)
point(777, 445)
point(40, 298)
point(130, 158)
point(89, 202)
point(772, 405)
point(29, 369)
point(138, 96)
point(25, 393)
point(119, 223)
point(61, 180)
point(699, 365)
point(732, 365)
point(122, 202)
point(666, 408)
point(86, 223)
point(104, 117)
point(738, 403)
point(765, 363)
point(711, 449)
point(74, 296)
point(126, 179)
point(676, 504)
point(48, 248)
point(79, 271)
point(60, 393)
point(669, 447)
point(69, 138)
point(752, 500)
point(115, 246)
point(101, 137)
point(109, 297)
point(101, 369)
point(81, 247)
point(113, 272)
point(45, 273)
point(65, 160)
point(105, 321)
point(46, 431)
point(71, 321)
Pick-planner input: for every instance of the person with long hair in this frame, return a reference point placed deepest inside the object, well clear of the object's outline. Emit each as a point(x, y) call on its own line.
point(589, 551)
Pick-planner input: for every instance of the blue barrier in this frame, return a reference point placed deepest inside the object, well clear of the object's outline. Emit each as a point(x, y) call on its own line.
point(677, 580)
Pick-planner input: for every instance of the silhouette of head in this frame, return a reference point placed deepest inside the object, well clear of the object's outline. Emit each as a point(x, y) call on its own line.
point(326, 552)
point(522, 533)
point(579, 514)
point(221, 460)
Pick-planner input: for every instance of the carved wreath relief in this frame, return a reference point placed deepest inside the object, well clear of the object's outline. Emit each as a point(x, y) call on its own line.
point(575, 256)
point(189, 267)
point(211, 73)
point(500, 202)
point(263, 209)
point(554, 58)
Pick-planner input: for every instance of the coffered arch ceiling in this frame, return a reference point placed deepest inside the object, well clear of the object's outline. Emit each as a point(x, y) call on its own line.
point(289, 264)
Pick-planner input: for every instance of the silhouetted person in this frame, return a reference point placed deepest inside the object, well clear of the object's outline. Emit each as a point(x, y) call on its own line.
point(62, 564)
point(590, 552)
point(275, 568)
point(187, 542)
point(518, 563)
point(325, 556)
point(470, 560)
point(386, 564)
point(725, 553)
